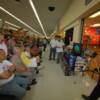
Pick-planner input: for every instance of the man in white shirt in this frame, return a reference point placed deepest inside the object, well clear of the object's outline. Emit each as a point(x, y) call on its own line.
point(59, 48)
point(52, 48)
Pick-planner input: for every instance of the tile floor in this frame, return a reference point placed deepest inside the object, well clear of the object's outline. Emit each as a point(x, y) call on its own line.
point(53, 85)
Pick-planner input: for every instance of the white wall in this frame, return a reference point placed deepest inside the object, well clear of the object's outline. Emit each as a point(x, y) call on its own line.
point(76, 9)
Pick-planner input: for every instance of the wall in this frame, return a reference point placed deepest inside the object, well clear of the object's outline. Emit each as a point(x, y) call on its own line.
point(76, 9)
point(76, 33)
point(69, 20)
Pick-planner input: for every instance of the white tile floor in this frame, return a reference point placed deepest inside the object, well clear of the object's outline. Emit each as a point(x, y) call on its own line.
point(53, 85)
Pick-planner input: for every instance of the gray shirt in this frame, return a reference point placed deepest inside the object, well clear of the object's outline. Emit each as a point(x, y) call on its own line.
point(17, 61)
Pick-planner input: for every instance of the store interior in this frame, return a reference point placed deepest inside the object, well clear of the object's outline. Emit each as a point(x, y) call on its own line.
point(91, 32)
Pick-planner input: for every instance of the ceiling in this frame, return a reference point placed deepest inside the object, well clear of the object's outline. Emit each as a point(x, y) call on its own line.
point(23, 11)
point(89, 25)
point(92, 21)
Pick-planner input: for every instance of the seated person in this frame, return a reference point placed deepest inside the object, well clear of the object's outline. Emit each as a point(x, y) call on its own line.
point(9, 84)
point(21, 69)
point(27, 59)
point(95, 65)
point(35, 52)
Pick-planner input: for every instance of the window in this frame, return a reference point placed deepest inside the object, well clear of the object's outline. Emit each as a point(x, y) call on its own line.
point(69, 35)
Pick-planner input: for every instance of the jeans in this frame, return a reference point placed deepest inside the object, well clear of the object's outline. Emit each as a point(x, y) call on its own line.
point(23, 82)
point(30, 75)
point(16, 87)
point(33, 73)
point(52, 53)
point(44, 47)
point(59, 56)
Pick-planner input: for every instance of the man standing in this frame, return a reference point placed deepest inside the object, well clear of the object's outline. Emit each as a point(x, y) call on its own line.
point(52, 48)
point(59, 48)
point(44, 44)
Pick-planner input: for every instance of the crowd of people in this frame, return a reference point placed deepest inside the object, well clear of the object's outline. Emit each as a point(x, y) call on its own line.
point(19, 65)
point(20, 62)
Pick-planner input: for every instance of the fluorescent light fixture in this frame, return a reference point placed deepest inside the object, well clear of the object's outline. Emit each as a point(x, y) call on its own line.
point(12, 24)
point(12, 28)
point(96, 25)
point(25, 30)
point(95, 14)
point(18, 19)
point(52, 34)
point(36, 14)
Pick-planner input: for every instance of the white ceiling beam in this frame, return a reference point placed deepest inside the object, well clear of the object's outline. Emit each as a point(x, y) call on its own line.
point(37, 16)
point(9, 23)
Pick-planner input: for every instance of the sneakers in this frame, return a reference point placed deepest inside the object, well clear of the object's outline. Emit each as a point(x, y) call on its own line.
point(85, 97)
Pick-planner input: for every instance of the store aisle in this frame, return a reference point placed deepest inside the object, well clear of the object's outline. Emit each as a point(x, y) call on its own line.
point(53, 85)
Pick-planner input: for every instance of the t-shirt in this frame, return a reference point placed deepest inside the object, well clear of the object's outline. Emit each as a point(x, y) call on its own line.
point(53, 43)
point(33, 62)
point(3, 67)
point(59, 45)
point(17, 61)
point(4, 47)
point(29, 62)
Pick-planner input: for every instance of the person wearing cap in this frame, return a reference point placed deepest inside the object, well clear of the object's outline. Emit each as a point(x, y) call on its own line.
point(9, 84)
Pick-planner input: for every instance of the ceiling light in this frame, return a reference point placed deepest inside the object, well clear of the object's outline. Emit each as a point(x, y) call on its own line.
point(18, 19)
point(12, 28)
point(95, 14)
point(36, 14)
point(12, 24)
point(96, 25)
